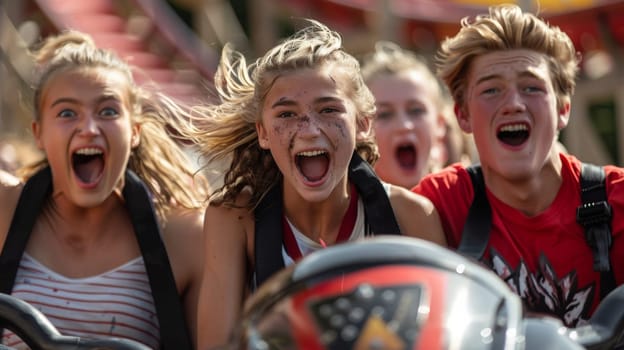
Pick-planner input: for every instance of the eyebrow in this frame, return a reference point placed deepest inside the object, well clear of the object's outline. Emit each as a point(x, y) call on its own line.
point(288, 102)
point(283, 102)
point(75, 101)
point(523, 74)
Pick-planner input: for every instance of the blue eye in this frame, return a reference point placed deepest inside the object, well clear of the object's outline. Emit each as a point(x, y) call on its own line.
point(108, 112)
point(66, 113)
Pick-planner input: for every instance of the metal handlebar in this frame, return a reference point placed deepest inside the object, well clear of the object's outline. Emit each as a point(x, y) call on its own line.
point(38, 332)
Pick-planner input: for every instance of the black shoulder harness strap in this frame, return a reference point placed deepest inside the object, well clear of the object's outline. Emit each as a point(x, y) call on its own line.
point(379, 214)
point(173, 328)
point(29, 205)
point(594, 214)
point(173, 331)
point(268, 215)
point(268, 235)
point(476, 233)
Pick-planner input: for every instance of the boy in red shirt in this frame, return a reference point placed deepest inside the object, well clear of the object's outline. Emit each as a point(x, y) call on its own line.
point(512, 76)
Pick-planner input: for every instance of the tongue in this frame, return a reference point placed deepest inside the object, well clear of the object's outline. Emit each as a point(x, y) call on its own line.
point(313, 168)
point(88, 171)
point(406, 157)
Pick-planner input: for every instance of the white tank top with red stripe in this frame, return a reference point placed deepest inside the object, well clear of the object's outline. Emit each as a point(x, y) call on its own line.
point(307, 246)
point(117, 303)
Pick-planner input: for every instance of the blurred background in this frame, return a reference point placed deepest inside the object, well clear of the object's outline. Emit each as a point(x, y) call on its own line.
point(174, 47)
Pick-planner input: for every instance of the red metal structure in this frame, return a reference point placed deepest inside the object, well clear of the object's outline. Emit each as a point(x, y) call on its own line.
point(165, 54)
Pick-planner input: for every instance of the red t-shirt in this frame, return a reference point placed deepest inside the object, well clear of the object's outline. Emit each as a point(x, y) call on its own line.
point(544, 258)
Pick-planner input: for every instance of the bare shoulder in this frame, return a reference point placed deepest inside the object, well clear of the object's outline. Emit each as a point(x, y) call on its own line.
point(182, 235)
point(416, 215)
point(405, 200)
point(230, 230)
point(183, 232)
point(230, 217)
point(235, 222)
point(10, 190)
point(185, 222)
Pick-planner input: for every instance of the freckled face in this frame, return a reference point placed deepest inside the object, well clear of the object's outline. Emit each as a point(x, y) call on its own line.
point(407, 125)
point(86, 132)
point(511, 107)
point(309, 125)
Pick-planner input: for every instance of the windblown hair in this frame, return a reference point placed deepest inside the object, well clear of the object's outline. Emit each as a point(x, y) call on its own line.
point(388, 58)
point(158, 160)
point(506, 27)
point(227, 131)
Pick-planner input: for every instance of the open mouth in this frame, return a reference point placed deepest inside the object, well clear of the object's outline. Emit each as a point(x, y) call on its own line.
point(406, 156)
point(313, 165)
point(88, 164)
point(513, 134)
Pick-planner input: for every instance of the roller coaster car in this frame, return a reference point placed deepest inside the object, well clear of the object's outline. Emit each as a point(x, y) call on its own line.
point(396, 292)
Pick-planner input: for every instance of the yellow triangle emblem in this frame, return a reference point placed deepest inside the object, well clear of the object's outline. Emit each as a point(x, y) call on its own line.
point(377, 335)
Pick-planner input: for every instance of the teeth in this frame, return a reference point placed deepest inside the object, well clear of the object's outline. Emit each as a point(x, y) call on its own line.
point(514, 127)
point(89, 151)
point(310, 153)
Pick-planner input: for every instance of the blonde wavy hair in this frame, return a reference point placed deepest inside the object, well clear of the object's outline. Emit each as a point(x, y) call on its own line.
point(227, 130)
point(158, 159)
point(507, 27)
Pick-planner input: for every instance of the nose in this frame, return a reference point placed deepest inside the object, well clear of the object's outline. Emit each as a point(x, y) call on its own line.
point(405, 122)
point(89, 126)
point(513, 102)
point(308, 125)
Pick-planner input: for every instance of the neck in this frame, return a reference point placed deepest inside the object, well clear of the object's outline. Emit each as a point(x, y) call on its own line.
point(530, 194)
point(79, 225)
point(319, 221)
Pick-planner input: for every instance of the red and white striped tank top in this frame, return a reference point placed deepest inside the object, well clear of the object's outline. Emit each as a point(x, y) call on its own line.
point(117, 303)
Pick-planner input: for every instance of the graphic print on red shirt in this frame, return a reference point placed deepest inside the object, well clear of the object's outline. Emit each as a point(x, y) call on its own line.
point(544, 257)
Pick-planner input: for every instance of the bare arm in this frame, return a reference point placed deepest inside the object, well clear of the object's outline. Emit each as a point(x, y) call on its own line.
point(183, 237)
point(416, 215)
point(225, 274)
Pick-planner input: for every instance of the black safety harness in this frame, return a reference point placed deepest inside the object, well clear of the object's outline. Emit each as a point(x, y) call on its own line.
point(268, 217)
point(594, 214)
point(173, 330)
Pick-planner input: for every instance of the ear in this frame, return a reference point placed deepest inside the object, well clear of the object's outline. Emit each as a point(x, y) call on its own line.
point(463, 118)
point(564, 114)
point(440, 127)
point(35, 126)
point(135, 138)
point(263, 137)
point(364, 127)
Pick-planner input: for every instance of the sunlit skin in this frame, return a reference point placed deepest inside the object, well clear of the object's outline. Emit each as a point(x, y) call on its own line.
point(407, 115)
point(304, 111)
point(85, 109)
point(513, 89)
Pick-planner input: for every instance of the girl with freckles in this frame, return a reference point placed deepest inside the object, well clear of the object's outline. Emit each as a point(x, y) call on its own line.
point(102, 237)
point(294, 126)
